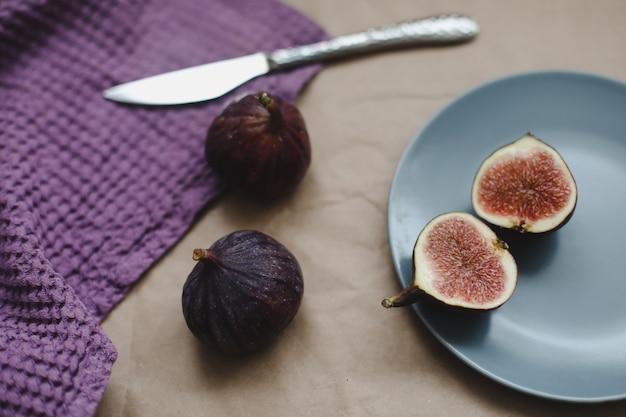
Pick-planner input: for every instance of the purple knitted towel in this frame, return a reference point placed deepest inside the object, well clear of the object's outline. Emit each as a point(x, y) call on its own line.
point(93, 192)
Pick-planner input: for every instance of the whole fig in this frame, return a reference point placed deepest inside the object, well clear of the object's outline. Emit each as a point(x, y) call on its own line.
point(260, 146)
point(243, 292)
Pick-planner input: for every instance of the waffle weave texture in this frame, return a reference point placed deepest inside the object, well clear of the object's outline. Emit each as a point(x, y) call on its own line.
point(92, 192)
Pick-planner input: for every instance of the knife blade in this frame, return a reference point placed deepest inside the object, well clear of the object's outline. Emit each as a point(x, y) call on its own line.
point(209, 81)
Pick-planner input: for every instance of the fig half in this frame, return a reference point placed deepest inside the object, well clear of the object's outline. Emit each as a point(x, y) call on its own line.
point(459, 261)
point(525, 186)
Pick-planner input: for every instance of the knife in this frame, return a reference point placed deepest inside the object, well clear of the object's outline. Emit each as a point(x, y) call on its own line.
point(213, 80)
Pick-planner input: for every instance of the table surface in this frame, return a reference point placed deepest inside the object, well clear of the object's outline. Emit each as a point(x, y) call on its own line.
point(344, 355)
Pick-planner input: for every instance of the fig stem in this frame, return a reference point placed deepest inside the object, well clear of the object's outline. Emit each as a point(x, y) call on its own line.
point(265, 99)
point(276, 119)
point(407, 296)
point(199, 254)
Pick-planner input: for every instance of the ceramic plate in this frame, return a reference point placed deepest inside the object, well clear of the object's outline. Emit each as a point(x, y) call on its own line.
point(562, 335)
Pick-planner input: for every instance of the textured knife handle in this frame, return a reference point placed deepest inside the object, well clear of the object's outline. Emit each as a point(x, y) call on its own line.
point(440, 29)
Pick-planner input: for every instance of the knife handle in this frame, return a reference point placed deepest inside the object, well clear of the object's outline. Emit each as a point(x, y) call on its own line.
point(441, 29)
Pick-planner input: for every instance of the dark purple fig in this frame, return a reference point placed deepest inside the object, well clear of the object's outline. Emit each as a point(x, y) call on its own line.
point(525, 186)
point(243, 292)
point(260, 146)
point(459, 261)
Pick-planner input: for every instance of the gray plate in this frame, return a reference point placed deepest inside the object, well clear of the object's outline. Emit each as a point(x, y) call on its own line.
point(563, 333)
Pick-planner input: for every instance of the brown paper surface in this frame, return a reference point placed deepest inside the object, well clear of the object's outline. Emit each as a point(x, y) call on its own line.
point(344, 355)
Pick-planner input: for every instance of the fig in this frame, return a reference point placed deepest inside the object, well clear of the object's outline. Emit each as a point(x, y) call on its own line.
point(459, 261)
point(525, 186)
point(242, 293)
point(260, 146)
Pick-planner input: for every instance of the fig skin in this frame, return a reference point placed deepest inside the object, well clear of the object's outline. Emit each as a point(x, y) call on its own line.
point(558, 182)
point(433, 281)
point(259, 146)
point(242, 293)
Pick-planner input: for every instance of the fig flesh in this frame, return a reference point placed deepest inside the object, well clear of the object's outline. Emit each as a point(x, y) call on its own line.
point(459, 261)
point(260, 146)
point(525, 186)
point(242, 293)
